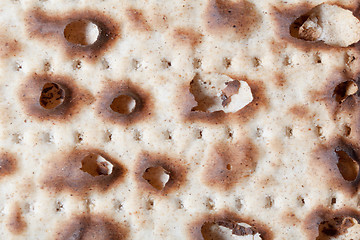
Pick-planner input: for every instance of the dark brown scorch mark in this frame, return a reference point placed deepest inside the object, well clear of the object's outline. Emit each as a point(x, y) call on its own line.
point(339, 158)
point(240, 17)
point(137, 19)
point(91, 227)
point(187, 37)
point(53, 97)
point(245, 114)
point(173, 167)
point(16, 223)
point(124, 103)
point(72, 172)
point(202, 229)
point(50, 28)
point(227, 165)
point(323, 223)
point(8, 164)
point(288, 20)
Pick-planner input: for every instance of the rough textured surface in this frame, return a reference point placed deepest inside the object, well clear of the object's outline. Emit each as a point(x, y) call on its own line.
point(197, 119)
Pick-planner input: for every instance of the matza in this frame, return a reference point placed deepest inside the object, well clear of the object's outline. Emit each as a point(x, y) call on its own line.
point(152, 119)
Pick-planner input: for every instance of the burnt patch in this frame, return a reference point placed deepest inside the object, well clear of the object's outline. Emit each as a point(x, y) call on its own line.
point(288, 20)
point(67, 30)
point(82, 171)
point(187, 37)
point(124, 103)
point(137, 19)
point(300, 111)
point(151, 181)
point(227, 165)
point(16, 223)
point(339, 160)
point(189, 105)
point(323, 223)
point(53, 97)
point(9, 47)
point(92, 227)
point(209, 227)
point(241, 17)
point(8, 164)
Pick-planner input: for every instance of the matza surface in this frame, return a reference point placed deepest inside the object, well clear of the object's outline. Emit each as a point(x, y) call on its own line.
point(179, 119)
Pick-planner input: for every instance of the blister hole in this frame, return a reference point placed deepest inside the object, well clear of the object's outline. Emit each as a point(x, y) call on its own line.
point(81, 32)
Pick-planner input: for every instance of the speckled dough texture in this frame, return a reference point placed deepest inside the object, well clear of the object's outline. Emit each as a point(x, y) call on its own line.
point(202, 119)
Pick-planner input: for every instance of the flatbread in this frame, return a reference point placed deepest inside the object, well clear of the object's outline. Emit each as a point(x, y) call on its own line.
point(153, 119)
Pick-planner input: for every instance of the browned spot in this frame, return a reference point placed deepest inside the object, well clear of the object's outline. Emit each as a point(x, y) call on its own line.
point(92, 227)
point(69, 173)
point(227, 165)
point(288, 20)
point(117, 102)
point(323, 223)
point(280, 80)
point(173, 167)
point(138, 20)
point(8, 164)
point(8, 47)
point(240, 17)
point(201, 228)
point(186, 36)
point(290, 218)
point(33, 97)
point(50, 28)
point(244, 115)
point(16, 223)
point(334, 159)
point(300, 111)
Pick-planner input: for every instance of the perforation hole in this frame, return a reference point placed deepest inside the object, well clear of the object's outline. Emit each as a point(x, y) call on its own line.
point(301, 201)
point(150, 204)
point(227, 62)
point(256, 62)
point(96, 165)
point(347, 130)
point(348, 167)
point(17, 138)
point(179, 204)
point(47, 66)
point(135, 64)
point(105, 64)
point(317, 58)
point(197, 63)
point(59, 206)
point(18, 66)
point(156, 177)
point(108, 136)
point(48, 138)
point(259, 132)
point(118, 206)
point(289, 132)
point(333, 201)
point(79, 137)
point(82, 32)
point(167, 135)
point(287, 61)
point(165, 63)
point(269, 202)
point(210, 204)
point(320, 132)
point(76, 65)
point(52, 96)
point(198, 133)
point(238, 203)
point(137, 135)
